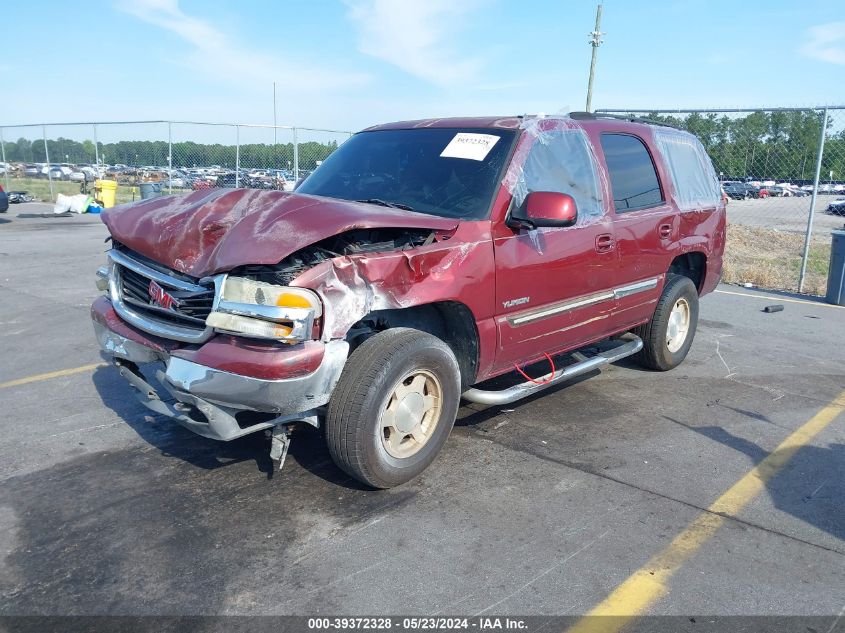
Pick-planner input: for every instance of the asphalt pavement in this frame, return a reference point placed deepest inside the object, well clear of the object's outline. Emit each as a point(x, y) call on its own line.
point(546, 506)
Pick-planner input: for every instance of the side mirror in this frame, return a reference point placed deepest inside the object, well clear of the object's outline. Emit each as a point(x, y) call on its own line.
point(544, 208)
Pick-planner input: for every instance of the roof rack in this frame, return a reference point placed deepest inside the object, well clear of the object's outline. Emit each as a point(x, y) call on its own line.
point(592, 116)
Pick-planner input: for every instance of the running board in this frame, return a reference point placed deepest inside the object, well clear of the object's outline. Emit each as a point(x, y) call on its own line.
point(585, 364)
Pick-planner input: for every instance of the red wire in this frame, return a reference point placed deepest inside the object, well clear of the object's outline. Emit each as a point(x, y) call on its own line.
point(539, 382)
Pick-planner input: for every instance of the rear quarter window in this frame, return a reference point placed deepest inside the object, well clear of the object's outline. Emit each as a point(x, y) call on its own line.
point(692, 172)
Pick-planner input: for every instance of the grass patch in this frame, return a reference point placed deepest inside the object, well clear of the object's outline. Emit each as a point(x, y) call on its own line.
point(772, 259)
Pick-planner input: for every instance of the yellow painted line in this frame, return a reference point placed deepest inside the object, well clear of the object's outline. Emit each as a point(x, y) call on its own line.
point(650, 583)
point(784, 299)
point(49, 375)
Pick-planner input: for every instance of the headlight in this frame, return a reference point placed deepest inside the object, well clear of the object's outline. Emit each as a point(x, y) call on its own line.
point(261, 310)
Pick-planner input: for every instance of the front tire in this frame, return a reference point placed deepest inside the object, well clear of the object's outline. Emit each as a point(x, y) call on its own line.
point(393, 407)
point(667, 338)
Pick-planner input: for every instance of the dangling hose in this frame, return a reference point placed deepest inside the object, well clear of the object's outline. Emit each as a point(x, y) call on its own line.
point(538, 382)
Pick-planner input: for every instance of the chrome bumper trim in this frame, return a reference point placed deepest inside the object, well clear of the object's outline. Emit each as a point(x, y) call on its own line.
point(221, 395)
point(151, 326)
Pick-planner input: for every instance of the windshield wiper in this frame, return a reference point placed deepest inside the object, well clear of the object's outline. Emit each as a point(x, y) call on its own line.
point(385, 203)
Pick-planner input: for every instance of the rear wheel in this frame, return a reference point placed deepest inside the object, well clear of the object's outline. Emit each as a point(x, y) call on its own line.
point(668, 337)
point(393, 407)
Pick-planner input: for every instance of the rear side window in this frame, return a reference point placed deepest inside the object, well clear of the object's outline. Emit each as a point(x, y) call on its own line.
point(696, 185)
point(633, 177)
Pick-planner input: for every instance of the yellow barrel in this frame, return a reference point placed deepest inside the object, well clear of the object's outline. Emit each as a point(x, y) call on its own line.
point(106, 190)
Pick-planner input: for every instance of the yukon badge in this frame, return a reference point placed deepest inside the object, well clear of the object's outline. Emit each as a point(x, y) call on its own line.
point(510, 303)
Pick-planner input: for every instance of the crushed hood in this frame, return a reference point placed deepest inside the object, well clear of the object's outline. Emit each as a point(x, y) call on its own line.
point(215, 230)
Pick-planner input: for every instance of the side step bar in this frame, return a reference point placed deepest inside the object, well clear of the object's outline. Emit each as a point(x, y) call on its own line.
point(505, 396)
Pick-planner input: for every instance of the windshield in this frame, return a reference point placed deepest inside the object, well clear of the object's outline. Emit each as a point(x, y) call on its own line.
point(448, 172)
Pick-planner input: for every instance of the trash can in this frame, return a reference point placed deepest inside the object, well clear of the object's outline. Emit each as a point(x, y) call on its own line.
point(150, 190)
point(105, 191)
point(836, 274)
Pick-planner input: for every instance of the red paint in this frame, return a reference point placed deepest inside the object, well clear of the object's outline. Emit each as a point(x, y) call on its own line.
point(215, 230)
point(550, 205)
point(487, 266)
point(103, 313)
point(257, 359)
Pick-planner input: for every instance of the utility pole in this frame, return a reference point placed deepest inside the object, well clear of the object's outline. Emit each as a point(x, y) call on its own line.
point(595, 41)
point(274, 116)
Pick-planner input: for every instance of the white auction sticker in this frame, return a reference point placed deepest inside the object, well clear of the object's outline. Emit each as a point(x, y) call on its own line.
point(471, 146)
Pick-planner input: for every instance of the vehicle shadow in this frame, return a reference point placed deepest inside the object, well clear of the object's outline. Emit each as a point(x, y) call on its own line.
point(809, 487)
point(308, 449)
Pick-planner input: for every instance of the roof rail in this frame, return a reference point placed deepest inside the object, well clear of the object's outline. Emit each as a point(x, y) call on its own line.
point(592, 116)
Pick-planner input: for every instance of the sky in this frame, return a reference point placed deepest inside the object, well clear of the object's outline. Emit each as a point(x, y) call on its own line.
point(347, 64)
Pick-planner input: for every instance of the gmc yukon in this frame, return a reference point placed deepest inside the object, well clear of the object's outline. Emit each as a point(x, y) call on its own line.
point(420, 260)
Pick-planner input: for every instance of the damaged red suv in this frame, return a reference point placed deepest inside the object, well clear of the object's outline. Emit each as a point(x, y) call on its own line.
point(420, 260)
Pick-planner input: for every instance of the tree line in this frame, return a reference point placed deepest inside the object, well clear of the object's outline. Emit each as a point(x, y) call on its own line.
point(185, 154)
point(760, 145)
point(767, 145)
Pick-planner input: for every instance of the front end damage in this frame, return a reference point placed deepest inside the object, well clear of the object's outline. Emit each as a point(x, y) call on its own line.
point(192, 351)
point(231, 393)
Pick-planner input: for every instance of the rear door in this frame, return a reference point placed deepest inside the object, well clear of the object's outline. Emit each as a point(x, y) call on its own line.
point(645, 222)
point(554, 285)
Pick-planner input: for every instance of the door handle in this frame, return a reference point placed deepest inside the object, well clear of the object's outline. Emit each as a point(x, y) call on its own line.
point(665, 231)
point(604, 243)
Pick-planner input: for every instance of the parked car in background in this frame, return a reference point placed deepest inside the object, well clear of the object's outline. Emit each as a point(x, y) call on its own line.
point(229, 181)
point(4, 201)
point(83, 174)
point(201, 183)
point(32, 171)
point(53, 171)
point(741, 190)
point(837, 207)
point(178, 182)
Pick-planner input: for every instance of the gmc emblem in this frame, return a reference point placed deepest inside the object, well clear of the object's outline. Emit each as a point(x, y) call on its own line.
point(160, 297)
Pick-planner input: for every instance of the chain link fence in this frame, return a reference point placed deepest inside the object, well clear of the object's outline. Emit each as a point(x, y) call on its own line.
point(49, 159)
point(783, 172)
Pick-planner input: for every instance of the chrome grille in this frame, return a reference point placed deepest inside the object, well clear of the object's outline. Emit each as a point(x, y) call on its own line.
point(181, 317)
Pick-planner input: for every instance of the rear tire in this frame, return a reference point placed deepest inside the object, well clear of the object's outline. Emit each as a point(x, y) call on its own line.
point(393, 407)
point(668, 337)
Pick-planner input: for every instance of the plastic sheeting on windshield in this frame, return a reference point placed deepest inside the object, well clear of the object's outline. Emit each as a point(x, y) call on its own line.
point(560, 159)
point(696, 185)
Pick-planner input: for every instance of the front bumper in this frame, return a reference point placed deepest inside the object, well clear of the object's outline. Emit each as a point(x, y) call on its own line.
point(211, 401)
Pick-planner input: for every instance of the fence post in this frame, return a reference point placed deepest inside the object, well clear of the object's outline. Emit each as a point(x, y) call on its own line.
point(237, 156)
point(47, 158)
point(96, 151)
point(295, 157)
point(169, 157)
point(5, 164)
point(813, 203)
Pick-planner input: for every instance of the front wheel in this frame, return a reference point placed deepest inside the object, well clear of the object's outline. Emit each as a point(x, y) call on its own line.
point(393, 407)
point(668, 337)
